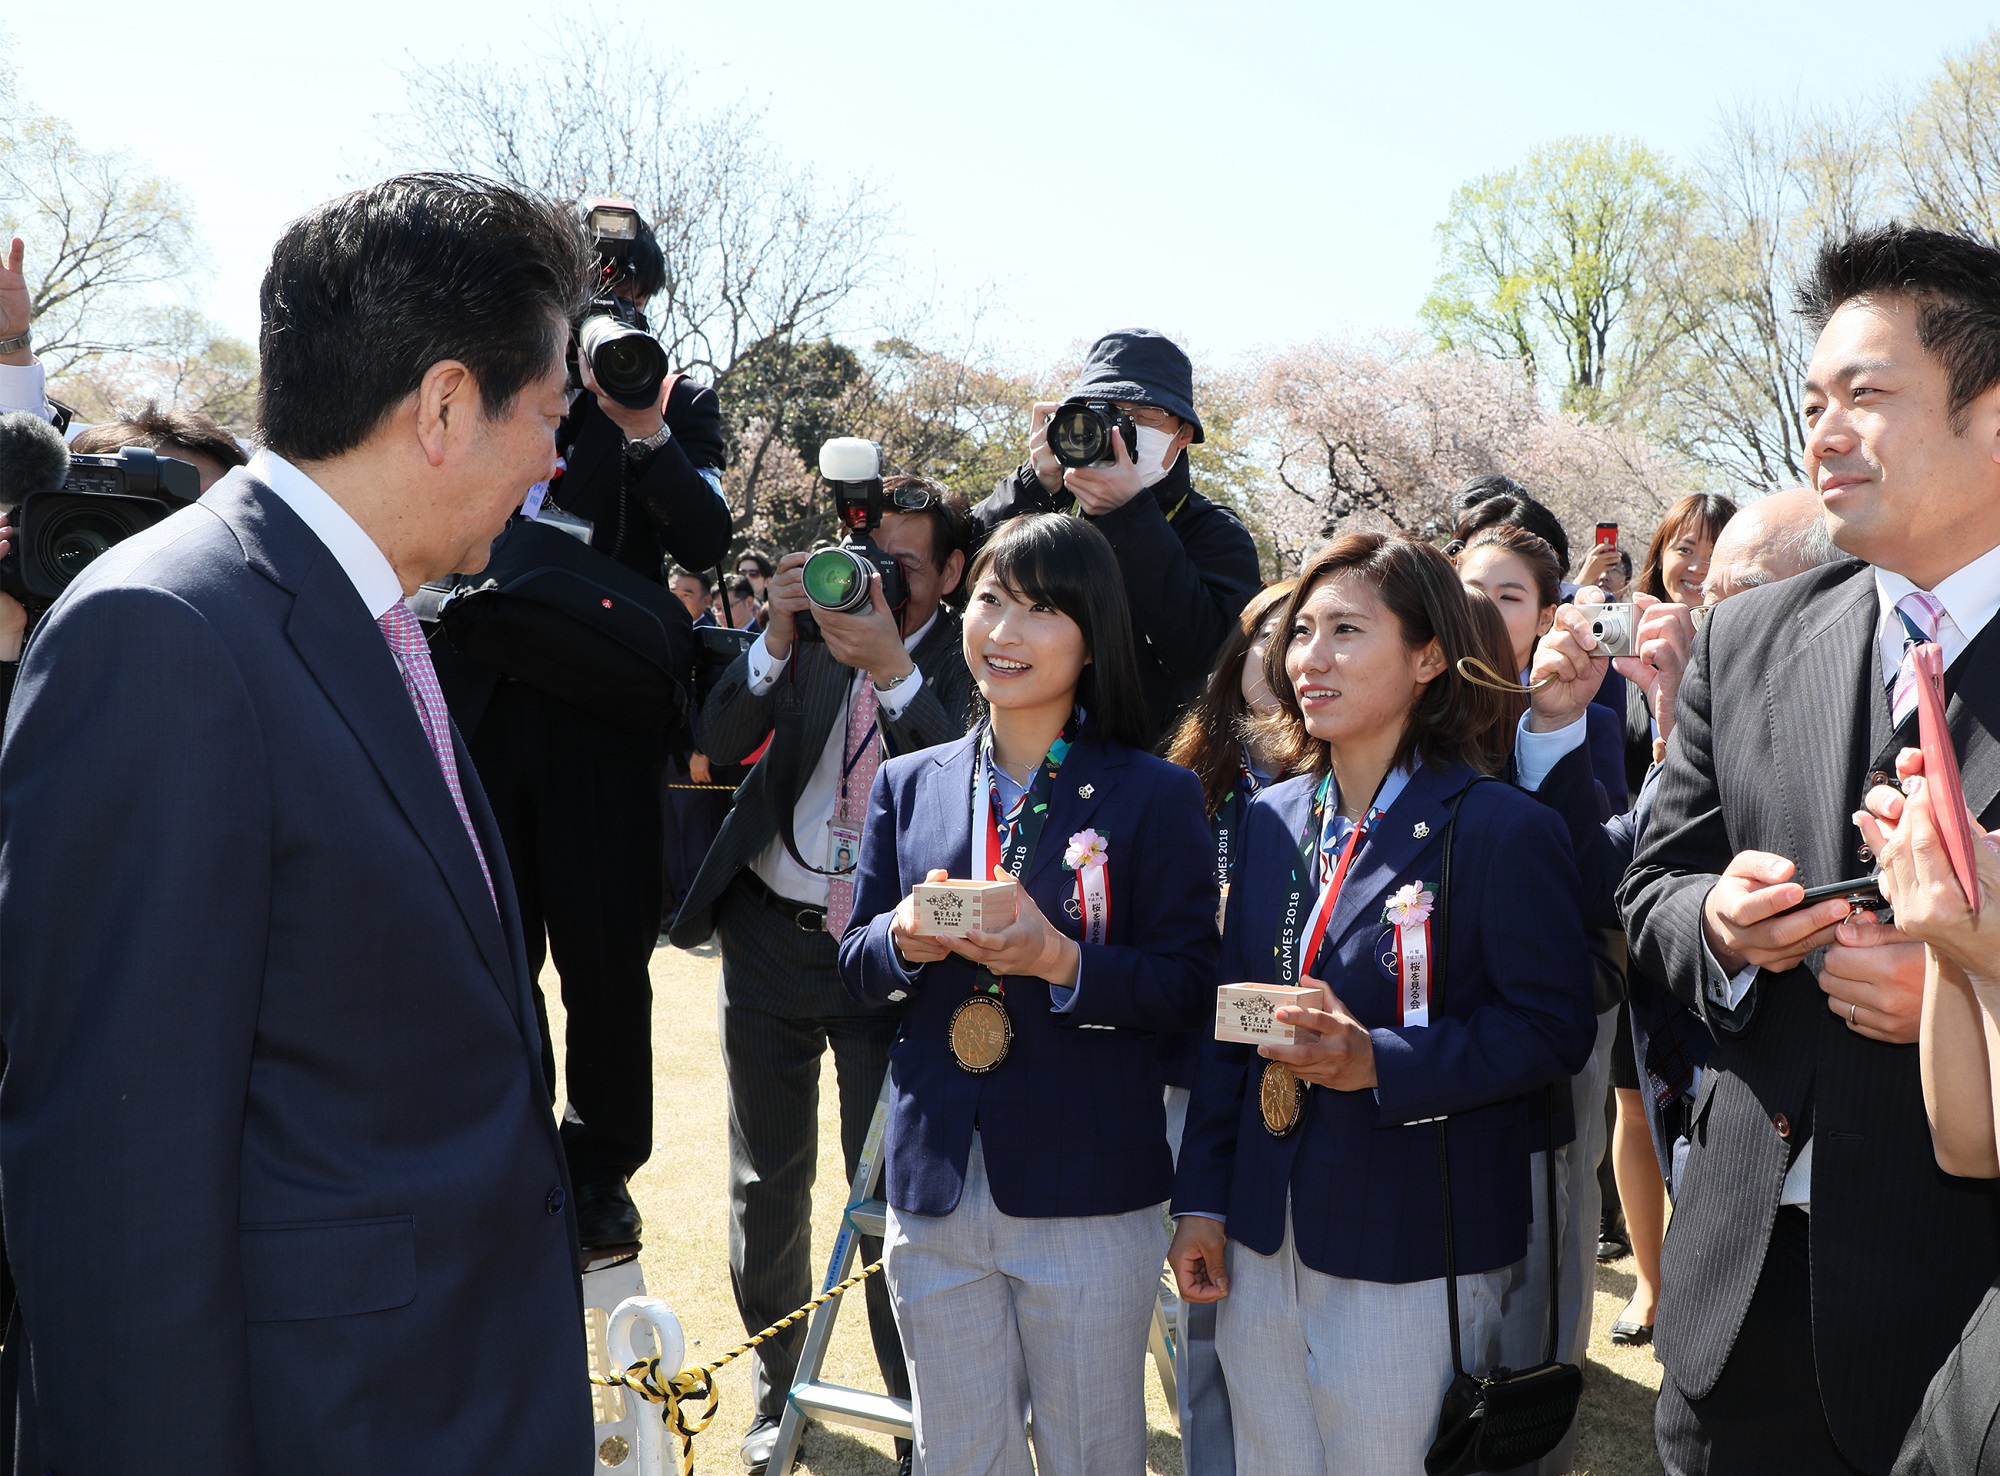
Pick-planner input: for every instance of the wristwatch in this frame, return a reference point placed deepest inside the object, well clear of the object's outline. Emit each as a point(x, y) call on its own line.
point(653, 442)
point(17, 343)
point(891, 686)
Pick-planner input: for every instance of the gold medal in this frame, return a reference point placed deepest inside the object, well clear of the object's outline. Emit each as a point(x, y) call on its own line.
point(980, 1034)
point(1282, 1097)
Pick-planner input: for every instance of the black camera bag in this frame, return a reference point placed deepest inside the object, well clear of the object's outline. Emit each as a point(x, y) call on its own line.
point(1496, 1421)
point(552, 611)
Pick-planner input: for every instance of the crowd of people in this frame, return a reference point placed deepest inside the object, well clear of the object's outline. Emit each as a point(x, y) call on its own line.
point(1525, 844)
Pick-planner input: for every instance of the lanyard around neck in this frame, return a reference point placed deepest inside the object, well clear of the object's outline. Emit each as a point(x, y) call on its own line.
point(1300, 935)
point(1024, 820)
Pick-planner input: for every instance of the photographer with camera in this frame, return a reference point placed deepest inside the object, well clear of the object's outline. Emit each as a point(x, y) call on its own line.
point(1115, 451)
point(838, 687)
point(577, 795)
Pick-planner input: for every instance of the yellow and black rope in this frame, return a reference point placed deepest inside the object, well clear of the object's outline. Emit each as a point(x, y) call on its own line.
point(696, 1383)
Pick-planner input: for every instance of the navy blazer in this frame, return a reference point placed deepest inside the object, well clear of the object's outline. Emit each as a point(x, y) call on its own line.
point(1072, 1122)
point(1512, 1015)
point(273, 1116)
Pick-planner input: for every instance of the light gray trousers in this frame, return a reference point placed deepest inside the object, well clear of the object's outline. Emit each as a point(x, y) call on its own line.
point(1002, 1315)
point(1330, 1376)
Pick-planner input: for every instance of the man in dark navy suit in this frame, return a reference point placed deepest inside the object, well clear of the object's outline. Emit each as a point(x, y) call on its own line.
point(273, 1113)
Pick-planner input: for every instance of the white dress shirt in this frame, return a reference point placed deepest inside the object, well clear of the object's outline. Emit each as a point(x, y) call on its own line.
point(25, 387)
point(357, 554)
point(816, 803)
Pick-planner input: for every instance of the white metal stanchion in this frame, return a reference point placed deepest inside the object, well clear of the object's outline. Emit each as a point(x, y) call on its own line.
point(643, 1327)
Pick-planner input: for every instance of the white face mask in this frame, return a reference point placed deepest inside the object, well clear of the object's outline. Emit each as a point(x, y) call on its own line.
point(1154, 457)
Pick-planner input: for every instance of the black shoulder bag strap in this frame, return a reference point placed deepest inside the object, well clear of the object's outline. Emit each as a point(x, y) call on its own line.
point(1505, 1419)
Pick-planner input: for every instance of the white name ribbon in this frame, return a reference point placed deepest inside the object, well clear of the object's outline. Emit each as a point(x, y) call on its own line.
point(1413, 972)
point(1409, 913)
point(1093, 895)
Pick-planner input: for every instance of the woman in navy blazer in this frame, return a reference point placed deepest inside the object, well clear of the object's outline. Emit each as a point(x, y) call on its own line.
point(1027, 1148)
point(1317, 1212)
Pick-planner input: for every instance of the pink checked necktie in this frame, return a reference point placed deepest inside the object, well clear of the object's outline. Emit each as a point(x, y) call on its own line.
point(852, 806)
point(1922, 616)
point(405, 635)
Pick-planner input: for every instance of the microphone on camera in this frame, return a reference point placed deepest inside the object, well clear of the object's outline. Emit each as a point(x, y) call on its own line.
point(33, 457)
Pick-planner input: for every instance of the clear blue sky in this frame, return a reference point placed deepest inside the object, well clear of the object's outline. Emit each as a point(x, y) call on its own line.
point(1241, 175)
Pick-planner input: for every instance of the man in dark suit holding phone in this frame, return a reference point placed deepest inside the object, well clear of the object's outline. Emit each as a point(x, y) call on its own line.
point(273, 1117)
point(1820, 1266)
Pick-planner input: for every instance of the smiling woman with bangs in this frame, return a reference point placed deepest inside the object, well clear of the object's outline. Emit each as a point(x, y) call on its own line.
point(1027, 1148)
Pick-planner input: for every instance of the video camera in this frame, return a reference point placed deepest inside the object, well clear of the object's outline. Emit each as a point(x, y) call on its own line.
point(837, 574)
point(67, 510)
point(629, 363)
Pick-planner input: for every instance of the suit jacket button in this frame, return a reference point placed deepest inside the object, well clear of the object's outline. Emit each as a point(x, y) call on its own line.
point(1783, 1124)
point(1878, 778)
point(1864, 853)
point(556, 1201)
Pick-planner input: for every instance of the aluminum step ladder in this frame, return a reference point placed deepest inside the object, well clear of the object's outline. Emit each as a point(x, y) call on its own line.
point(814, 1399)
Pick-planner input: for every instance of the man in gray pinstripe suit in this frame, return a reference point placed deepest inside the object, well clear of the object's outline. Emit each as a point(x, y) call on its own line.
point(1820, 1264)
point(873, 682)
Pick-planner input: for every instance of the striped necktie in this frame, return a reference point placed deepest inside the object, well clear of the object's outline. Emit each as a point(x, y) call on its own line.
point(405, 635)
point(1922, 616)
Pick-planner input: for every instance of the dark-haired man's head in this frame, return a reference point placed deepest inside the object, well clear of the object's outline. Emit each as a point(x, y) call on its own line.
point(690, 587)
point(412, 358)
point(1513, 507)
point(184, 435)
point(1488, 485)
point(1902, 400)
point(929, 542)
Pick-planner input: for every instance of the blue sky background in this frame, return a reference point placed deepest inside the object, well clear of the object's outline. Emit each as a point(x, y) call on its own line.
point(1242, 176)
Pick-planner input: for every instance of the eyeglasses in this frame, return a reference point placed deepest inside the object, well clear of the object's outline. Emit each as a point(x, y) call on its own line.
point(914, 499)
point(1154, 417)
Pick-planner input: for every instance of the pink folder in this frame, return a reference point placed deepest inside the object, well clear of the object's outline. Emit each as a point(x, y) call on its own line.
point(1941, 779)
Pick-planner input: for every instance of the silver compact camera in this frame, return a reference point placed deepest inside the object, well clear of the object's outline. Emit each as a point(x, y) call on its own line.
point(1616, 628)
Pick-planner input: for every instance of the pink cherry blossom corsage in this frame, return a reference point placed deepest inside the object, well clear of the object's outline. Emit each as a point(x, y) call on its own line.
point(1086, 848)
point(1408, 906)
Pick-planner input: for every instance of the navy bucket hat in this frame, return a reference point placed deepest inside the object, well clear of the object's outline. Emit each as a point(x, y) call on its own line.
point(1142, 366)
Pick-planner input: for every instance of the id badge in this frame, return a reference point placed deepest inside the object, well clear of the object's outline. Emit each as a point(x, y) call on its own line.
point(843, 845)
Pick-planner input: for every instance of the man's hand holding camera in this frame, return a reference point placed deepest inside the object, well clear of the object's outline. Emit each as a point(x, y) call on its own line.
point(865, 640)
point(1570, 659)
point(1097, 489)
point(638, 425)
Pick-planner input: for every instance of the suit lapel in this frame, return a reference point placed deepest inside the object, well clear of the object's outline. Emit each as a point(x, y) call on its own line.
point(944, 801)
point(331, 630)
point(1825, 758)
point(1394, 843)
point(1080, 786)
point(494, 847)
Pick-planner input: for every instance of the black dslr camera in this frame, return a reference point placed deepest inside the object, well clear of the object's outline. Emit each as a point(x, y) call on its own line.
point(628, 362)
point(836, 575)
point(76, 507)
point(1080, 433)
